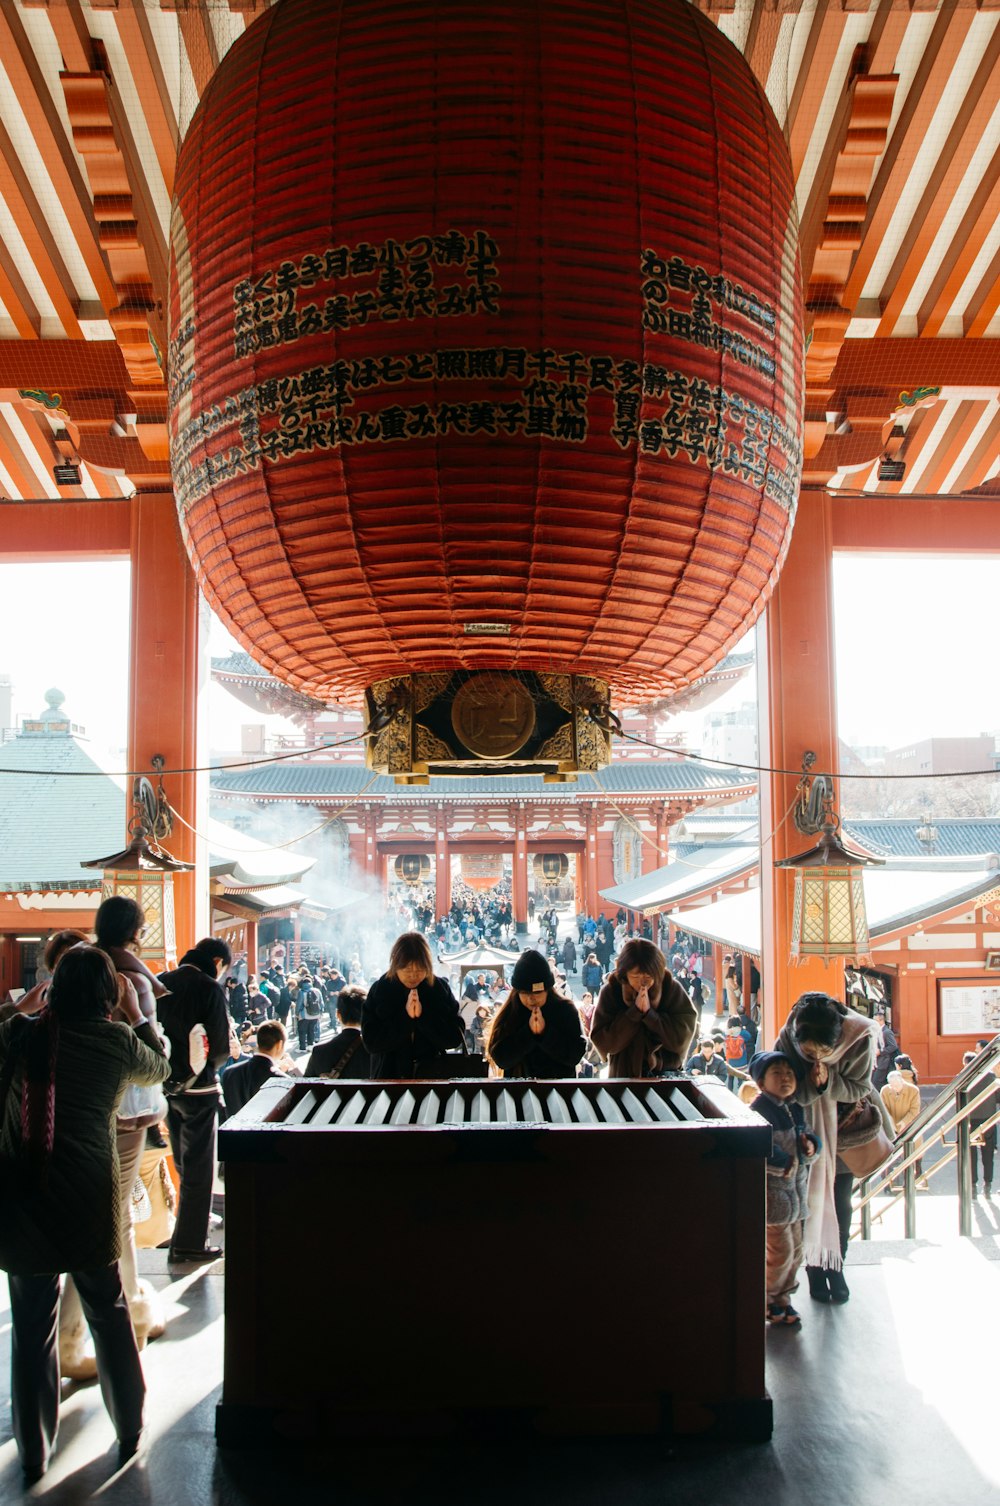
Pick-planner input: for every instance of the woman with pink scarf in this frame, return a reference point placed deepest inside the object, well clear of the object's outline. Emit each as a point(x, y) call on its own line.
point(834, 1050)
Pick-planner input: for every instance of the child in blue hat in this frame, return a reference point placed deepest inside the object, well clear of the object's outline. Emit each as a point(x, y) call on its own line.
point(788, 1168)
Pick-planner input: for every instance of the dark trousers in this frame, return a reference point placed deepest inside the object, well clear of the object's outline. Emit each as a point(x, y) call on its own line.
point(192, 1119)
point(987, 1151)
point(309, 1032)
point(843, 1191)
point(34, 1307)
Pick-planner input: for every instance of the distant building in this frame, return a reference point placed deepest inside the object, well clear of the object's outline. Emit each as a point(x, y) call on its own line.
point(942, 755)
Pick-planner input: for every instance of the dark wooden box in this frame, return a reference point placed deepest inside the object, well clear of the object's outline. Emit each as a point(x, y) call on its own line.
point(569, 1257)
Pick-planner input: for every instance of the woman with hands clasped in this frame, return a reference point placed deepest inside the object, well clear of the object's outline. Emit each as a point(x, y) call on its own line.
point(410, 1017)
point(536, 1032)
point(644, 1023)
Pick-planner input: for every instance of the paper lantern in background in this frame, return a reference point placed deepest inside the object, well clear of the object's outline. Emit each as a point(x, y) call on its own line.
point(482, 870)
point(486, 358)
point(412, 867)
point(550, 867)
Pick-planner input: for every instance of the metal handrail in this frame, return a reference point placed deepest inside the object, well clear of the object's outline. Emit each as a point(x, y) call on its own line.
point(950, 1109)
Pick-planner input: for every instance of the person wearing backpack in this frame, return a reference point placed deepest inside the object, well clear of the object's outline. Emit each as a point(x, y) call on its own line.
point(738, 1046)
point(308, 1012)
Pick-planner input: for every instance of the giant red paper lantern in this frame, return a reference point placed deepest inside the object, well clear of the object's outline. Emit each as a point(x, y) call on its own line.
point(486, 343)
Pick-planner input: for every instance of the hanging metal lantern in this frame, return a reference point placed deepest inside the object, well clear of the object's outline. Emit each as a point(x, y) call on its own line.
point(828, 917)
point(550, 867)
point(144, 871)
point(412, 867)
point(485, 363)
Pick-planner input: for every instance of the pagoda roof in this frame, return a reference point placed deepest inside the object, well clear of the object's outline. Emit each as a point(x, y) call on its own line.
point(58, 807)
point(319, 780)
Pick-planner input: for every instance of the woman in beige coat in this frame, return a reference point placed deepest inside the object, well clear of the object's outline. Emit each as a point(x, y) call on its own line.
point(901, 1097)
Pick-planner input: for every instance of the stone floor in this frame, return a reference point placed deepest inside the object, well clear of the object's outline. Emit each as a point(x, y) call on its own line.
point(889, 1400)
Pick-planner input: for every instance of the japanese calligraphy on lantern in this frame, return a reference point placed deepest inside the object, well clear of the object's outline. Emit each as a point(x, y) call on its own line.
point(546, 393)
point(681, 415)
point(677, 300)
point(405, 280)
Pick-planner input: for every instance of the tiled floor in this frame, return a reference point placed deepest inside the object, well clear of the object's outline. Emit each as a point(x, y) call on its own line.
point(889, 1401)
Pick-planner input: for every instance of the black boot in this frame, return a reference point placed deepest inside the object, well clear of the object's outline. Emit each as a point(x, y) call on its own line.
point(818, 1289)
point(839, 1290)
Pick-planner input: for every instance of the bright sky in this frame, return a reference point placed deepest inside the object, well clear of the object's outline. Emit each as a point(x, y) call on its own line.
point(915, 642)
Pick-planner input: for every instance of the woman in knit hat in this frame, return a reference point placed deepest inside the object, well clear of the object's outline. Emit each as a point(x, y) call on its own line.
point(644, 1023)
point(536, 1031)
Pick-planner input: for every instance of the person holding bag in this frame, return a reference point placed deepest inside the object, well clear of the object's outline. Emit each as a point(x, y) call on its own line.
point(410, 1017)
point(836, 1049)
point(64, 1076)
point(536, 1032)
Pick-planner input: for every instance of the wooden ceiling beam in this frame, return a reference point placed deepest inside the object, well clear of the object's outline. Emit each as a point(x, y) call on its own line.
point(13, 460)
point(985, 302)
point(981, 461)
point(71, 32)
point(26, 212)
point(974, 115)
point(951, 443)
point(46, 127)
point(199, 40)
point(978, 223)
point(921, 434)
point(130, 231)
point(143, 60)
point(87, 366)
point(900, 364)
point(762, 36)
point(926, 91)
point(17, 300)
point(886, 36)
point(822, 44)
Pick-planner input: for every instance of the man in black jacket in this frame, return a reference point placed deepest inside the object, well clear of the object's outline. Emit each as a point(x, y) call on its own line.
point(245, 1078)
point(193, 1016)
point(345, 1055)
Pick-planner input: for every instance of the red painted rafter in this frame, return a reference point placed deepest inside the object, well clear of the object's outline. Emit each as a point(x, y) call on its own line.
point(26, 212)
point(57, 154)
point(930, 81)
point(973, 117)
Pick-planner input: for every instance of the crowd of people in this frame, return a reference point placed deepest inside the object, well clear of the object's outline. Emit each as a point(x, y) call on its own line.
point(96, 1061)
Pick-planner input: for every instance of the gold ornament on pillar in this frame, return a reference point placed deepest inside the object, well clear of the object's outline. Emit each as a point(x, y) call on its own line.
point(144, 870)
point(829, 917)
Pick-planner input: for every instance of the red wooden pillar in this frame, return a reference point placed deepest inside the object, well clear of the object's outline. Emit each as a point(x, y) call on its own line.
point(442, 864)
point(797, 689)
point(519, 886)
point(164, 677)
point(252, 946)
point(371, 855)
point(721, 1007)
point(592, 896)
point(662, 841)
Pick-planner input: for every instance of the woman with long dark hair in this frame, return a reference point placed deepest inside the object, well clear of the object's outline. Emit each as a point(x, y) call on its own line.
point(536, 1032)
point(644, 1023)
point(410, 1017)
point(834, 1050)
point(62, 1076)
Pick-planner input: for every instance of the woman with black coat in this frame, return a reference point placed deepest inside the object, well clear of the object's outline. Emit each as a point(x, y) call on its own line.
point(410, 1017)
point(536, 1032)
